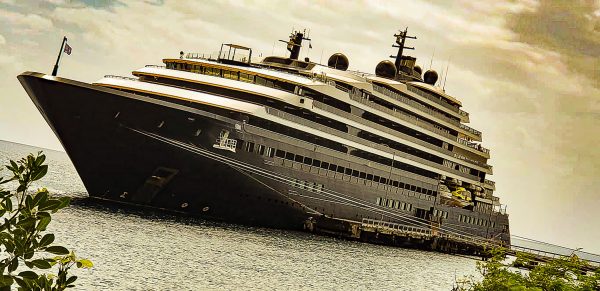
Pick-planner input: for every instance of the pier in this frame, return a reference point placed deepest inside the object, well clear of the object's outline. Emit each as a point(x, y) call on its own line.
point(433, 239)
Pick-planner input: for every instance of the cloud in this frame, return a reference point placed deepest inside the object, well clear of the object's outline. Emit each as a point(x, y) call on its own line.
point(25, 23)
point(2, 40)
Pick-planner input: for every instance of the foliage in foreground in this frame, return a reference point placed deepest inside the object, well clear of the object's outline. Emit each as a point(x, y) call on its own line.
point(564, 273)
point(25, 245)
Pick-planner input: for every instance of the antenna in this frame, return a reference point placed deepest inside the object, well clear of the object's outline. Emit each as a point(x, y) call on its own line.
point(446, 77)
point(432, 55)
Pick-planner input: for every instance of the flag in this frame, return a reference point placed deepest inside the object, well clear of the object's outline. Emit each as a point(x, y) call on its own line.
point(67, 49)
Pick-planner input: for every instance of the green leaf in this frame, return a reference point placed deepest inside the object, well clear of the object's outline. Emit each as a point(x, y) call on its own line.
point(6, 280)
point(22, 283)
point(71, 280)
point(39, 198)
point(51, 204)
point(13, 265)
point(40, 159)
point(86, 263)
point(27, 222)
point(8, 205)
point(46, 240)
point(28, 255)
point(43, 223)
point(13, 166)
point(29, 274)
point(41, 172)
point(29, 202)
point(64, 202)
point(57, 250)
point(41, 264)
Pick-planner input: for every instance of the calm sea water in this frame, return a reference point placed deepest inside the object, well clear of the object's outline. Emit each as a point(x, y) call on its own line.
point(133, 250)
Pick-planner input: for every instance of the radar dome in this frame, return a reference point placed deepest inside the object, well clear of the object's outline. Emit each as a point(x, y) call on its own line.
point(430, 77)
point(386, 69)
point(418, 70)
point(338, 61)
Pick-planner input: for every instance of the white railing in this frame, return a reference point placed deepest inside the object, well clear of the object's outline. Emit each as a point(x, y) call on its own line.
point(394, 95)
point(366, 222)
point(121, 77)
point(436, 99)
point(471, 130)
point(473, 145)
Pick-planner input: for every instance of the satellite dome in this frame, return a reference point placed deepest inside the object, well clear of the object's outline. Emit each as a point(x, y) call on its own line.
point(430, 77)
point(418, 69)
point(338, 61)
point(386, 69)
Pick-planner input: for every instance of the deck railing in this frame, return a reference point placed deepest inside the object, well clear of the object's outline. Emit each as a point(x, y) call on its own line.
point(389, 93)
point(432, 97)
point(121, 77)
point(471, 130)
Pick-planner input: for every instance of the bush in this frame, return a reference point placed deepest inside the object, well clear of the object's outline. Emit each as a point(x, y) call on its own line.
point(24, 242)
point(564, 273)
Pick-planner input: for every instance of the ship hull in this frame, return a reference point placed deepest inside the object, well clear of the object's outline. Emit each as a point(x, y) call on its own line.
point(124, 150)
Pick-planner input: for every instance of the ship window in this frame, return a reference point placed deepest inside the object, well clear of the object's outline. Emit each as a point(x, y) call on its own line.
point(395, 183)
point(401, 185)
point(355, 173)
point(260, 149)
point(270, 152)
point(418, 189)
point(299, 158)
point(325, 165)
point(332, 167)
point(363, 175)
point(376, 178)
point(348, 171)
point(249, 146)
point(308, 161)
point(316, 163)
point(383, 181)
point(370, 177)
point(246, 78)
point(280, 154)
point(289, 156)
point(340, 169)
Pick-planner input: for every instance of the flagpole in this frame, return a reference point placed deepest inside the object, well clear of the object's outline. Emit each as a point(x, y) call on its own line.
point(59, 54)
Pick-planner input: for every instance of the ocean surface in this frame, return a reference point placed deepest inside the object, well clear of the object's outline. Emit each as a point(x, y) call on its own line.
point(135, 250)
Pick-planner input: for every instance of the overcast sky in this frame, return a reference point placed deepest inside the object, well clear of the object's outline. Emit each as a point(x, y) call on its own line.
point(527, 71)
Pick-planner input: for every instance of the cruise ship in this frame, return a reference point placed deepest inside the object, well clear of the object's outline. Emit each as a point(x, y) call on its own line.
point(278, 141)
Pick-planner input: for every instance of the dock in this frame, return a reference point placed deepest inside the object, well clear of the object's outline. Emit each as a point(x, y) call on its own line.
point(432, 239)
